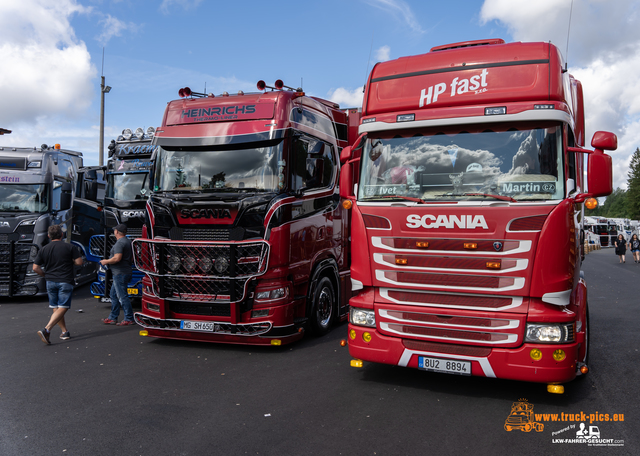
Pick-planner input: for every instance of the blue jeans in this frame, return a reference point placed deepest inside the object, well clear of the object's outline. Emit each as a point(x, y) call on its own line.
point(59, 294)
point(120, 297)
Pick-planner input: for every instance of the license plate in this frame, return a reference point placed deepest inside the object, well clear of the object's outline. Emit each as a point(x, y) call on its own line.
point(132, 291)
point(450, 366)
point(198, 326)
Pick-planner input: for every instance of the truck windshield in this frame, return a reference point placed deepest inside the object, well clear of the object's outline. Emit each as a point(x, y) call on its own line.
point(514, 164)
point(24, 198)
point(240, 169)
point(128, 186)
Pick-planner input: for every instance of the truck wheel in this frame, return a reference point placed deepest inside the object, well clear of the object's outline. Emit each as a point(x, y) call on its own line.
point(322, 307)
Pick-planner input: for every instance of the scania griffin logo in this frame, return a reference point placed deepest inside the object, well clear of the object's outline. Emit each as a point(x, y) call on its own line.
point(464, 222)
point(3, 224)
point(133, 213)
point(206, 213)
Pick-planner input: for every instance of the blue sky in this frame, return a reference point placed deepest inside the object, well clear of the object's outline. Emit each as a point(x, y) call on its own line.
point(52, 55)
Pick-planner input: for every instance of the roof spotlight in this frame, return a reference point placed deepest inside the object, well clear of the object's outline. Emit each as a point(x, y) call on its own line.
point(139, 133)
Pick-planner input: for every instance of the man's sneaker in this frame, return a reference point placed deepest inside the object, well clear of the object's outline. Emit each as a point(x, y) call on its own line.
point(107, 321)
point(126, 323)
point(44, 335)
point(65, 335)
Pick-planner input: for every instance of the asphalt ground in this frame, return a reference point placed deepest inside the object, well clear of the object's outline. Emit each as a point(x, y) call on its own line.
point(109, 391)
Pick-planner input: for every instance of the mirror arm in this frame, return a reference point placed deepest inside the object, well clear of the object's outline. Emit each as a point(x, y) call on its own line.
point(581, 197)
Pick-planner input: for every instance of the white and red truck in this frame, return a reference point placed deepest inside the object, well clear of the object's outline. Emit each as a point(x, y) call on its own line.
point(467, 195)
point(246, 240)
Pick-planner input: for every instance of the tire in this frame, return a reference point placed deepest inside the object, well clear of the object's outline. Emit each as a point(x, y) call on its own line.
point(323, 307)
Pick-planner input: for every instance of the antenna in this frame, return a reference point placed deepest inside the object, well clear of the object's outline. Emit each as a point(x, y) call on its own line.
point(566, 62)
point(102, 70)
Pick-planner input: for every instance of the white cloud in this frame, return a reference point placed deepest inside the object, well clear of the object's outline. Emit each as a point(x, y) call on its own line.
point(383, 53)
point(603, 53)
point(400, 9)
point(46, 71)
point(347, 98)
point(112, 26)
point(166, 5)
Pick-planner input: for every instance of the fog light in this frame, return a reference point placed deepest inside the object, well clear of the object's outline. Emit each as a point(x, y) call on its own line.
point(260, 313)
point(144, 332)
point(356, 363)
point(276, 342)
point(352, 334)
point(559, 355)
point(555, 389)
point(153, 307)
point(536, 354)
point(366, 337)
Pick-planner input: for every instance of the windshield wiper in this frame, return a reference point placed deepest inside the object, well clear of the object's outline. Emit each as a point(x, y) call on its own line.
point(408, 198)
point(491, 195)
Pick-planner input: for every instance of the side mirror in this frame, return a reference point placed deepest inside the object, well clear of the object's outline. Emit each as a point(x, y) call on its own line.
point(599, 174)
point(66, 200)
point(604, 140)
point(346, 180)
point(345, 155)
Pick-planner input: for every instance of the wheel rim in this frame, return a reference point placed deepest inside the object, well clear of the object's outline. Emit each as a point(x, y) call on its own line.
point(325, 307)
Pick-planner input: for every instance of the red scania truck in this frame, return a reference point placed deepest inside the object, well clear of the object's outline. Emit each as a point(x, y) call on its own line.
point(246, 240)
point(467, 194)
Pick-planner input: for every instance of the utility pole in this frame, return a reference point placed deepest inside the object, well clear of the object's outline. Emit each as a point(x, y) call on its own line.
point(103, 89)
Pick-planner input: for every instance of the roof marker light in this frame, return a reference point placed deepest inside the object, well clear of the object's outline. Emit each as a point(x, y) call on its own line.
point(240, 92)
point(225, 94)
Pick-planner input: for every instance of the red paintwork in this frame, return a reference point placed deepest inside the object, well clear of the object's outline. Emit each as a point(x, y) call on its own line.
point(442, 300)
point(295, 247)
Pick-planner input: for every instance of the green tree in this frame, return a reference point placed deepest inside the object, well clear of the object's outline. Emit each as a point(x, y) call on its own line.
point(633, 187)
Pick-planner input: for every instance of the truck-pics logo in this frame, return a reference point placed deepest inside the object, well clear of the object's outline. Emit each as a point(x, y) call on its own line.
point(522, 418)
point(205, 213)
point(465, 222)
point(477, 84)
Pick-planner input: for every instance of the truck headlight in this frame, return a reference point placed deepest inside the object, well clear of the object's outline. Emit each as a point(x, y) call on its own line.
point(362, 317)
point(271, 295)
point(550, 333)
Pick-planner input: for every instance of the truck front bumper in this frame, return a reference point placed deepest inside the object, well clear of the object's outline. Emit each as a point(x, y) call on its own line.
point(511, 364)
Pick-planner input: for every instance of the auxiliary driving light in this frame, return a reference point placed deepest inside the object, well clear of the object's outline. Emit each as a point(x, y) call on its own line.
point(276, 342)
point(189, 263)
point(221, 264)
point(555, 389)
point(559, 355)
point(536, 354)
point(356, 363)
point(206, 264)
point(173, 262)
point(144, 332)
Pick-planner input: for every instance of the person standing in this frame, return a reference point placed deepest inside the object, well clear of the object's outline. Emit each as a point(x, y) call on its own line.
point(621, 248)
point(634, 246)
point(121, 256)
point(58, 260)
